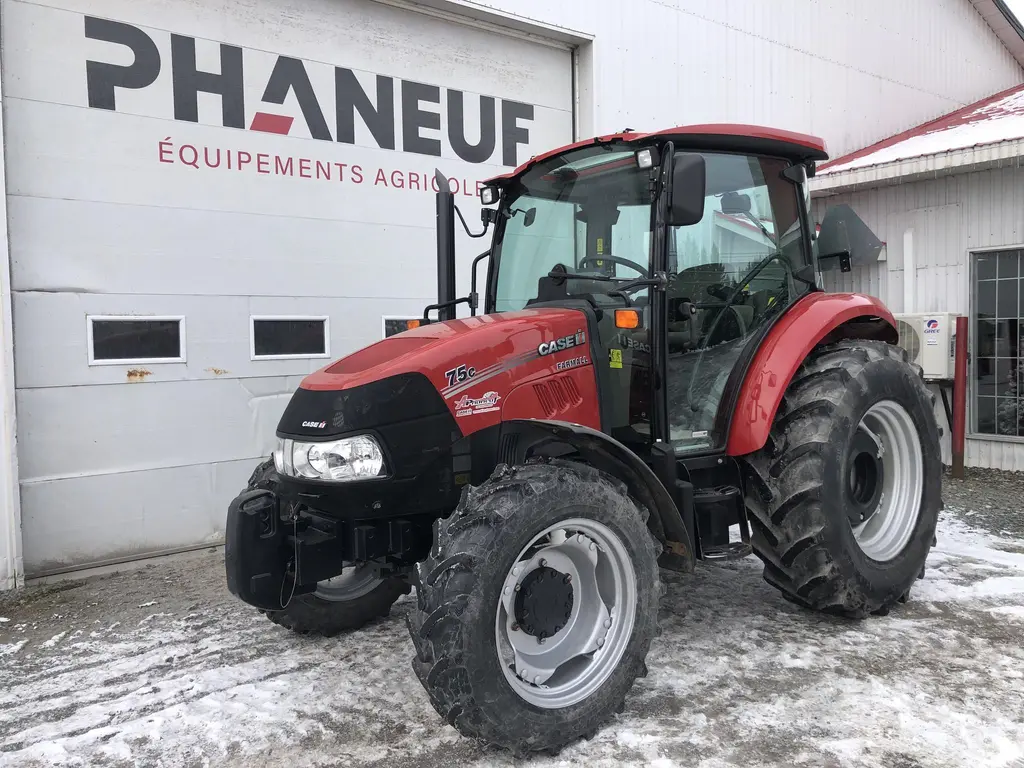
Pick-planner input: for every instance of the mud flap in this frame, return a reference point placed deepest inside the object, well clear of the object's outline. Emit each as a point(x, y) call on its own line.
point(253, 541)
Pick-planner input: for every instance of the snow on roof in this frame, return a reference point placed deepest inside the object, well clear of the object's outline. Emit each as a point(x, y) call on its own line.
point(990, 121)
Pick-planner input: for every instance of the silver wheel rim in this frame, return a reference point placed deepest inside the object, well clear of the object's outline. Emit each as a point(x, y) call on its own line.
point(883, 536)
point(578, 659)
point(352, 583)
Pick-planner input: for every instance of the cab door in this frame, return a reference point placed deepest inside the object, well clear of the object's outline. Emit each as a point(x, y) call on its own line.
point(734, 272)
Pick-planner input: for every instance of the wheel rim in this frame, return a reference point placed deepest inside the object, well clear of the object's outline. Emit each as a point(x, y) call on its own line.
point(885, 480)
point(353, 582)
point(588, 606)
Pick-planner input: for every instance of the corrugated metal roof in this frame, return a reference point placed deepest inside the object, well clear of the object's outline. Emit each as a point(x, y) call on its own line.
point(993, 120)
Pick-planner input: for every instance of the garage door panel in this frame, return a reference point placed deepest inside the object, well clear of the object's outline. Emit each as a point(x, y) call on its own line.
point(85, 520)
point(50, 335)
point(118, 428)
point(83, 154)
point(391, 42)
point(356, 34)
point(115, 248)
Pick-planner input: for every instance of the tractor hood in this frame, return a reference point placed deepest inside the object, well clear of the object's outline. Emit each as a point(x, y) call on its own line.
point(473, 364)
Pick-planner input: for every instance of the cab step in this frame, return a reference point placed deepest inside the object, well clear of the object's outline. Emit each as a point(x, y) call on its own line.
point(718, 508)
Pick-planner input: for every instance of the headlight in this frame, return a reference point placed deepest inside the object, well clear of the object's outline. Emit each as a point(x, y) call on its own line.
point(351, 458)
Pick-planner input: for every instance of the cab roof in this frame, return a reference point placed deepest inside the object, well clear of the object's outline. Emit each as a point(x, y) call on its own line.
point(713, 137)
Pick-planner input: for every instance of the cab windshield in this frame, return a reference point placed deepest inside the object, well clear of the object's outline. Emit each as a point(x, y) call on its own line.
point(585, 213)
point(588, 214)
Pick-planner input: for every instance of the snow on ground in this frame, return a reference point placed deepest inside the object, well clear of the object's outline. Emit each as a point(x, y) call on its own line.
point(161, 667)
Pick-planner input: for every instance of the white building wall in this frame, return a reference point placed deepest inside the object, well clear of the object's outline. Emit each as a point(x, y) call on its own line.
point(948, 217)
point(853, 72)
point(11, 563)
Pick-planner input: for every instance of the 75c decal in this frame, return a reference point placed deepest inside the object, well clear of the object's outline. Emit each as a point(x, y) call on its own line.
point(460, 374)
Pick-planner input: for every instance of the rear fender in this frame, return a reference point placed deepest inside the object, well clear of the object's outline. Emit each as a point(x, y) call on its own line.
point(816, 319)
point(537, 437)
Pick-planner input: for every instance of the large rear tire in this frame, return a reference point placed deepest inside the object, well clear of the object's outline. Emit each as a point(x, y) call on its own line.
point(550, 565)
point(844, 498)
point(344, 603)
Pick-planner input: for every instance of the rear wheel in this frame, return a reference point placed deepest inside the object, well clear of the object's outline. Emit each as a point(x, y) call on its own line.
point(537, 607)
point(844, 499)
point(345, 602)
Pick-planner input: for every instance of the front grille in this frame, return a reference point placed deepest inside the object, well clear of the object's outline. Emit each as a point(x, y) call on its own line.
point(557, 395)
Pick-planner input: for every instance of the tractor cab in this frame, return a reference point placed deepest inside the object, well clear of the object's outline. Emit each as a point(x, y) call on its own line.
point(684, 247)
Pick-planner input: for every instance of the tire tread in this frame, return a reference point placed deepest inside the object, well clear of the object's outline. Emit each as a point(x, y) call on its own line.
point(784, 497)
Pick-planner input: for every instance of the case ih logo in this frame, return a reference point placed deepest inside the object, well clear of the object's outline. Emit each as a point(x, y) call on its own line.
point(562, 344)
point(396, 114)
point(315, 424)
point(931, 326)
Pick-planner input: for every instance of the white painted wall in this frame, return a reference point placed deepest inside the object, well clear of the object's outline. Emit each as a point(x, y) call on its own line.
point(11, 564)
point(948, 217)
point(853, 72)
point(105, 218)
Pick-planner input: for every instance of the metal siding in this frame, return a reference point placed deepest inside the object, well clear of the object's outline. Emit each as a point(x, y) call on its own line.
point(854, 73)
point(73, 519)
point(950, 216)
point(119, 460)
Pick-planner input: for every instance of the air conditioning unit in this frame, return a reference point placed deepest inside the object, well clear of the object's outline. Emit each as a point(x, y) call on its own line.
point(929, 338)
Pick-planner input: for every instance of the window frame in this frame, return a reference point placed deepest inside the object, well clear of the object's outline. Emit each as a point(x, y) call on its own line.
point(90, 340)
point(325, 319)
point(972, 432)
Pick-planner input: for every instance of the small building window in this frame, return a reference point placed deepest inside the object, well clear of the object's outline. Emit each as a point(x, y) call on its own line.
point(997, 370)
point(285, 338)
point(121, 339)
point(395, 324)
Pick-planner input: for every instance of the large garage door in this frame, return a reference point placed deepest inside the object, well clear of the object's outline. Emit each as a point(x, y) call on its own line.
point(207, 201)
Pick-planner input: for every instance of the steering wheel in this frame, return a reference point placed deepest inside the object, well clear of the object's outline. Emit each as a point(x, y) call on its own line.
point(616, 260)
point(750, 275)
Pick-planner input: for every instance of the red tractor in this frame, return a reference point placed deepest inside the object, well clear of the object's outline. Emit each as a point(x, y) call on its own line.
point(656, 369)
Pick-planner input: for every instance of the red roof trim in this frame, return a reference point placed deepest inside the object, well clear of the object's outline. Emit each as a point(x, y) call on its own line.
point(752, 131)
point(942, 122)
point(709, 129)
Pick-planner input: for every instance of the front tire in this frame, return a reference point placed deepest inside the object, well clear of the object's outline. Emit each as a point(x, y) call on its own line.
point(844, 498)
point(556, 562)
point(344, 603)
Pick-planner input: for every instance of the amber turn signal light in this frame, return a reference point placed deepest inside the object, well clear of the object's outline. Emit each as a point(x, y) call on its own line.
point(410, 324)
point(627, 318)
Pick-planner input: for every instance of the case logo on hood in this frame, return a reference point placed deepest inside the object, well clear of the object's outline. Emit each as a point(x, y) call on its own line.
point(560, 345)
point(315, 424)
point(470, 406)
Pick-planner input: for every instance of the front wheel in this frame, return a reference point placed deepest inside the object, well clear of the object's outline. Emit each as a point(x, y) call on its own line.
point(844, 499)
point(537, 607)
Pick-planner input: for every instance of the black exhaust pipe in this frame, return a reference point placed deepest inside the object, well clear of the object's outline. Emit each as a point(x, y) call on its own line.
point(445, 248)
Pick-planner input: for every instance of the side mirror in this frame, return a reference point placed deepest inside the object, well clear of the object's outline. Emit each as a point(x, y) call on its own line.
point(689, 183)
point(530, 217)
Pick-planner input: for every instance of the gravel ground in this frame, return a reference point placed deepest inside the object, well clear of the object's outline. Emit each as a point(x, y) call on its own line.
point(160, 666)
